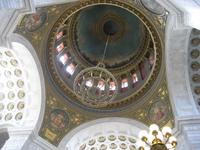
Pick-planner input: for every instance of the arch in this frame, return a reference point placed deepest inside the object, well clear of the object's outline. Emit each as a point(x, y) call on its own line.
point(176, 49)
point(36, 95)
point(28, 56)
point(103, 126)
point(14, 87)
point(183, 103)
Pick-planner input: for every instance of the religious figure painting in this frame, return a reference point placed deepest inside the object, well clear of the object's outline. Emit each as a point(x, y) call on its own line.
point(35, 21)
point(158, 111)
point(59, 119)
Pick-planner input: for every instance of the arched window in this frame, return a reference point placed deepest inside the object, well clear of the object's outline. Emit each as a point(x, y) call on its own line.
point(113, 133)
point(124, 84)
point(134, 79)
point(21, 92)
point(71, 68)
point(60, 47)
point(64, 58)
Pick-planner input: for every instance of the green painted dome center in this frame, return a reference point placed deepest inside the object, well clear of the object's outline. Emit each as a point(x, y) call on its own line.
point(110, 28)
point(94, 24)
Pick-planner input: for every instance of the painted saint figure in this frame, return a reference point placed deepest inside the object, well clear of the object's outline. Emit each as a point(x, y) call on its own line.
point(59, 118)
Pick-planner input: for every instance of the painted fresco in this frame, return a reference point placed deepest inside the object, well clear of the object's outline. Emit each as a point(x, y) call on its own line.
point(158, 111)
point(59, 119)
point(35, 21)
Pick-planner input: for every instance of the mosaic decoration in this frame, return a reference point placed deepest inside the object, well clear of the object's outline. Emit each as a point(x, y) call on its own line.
point(64, 113)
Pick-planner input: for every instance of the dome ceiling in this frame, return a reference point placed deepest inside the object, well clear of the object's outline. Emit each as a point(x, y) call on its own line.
point(71, 37)
point(77, 41)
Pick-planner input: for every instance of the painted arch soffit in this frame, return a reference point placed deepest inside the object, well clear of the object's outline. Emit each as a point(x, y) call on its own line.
point(61, 115)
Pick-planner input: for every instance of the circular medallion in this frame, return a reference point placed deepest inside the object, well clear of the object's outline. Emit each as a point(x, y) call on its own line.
point(20, 105)
point(10, 106)
point(195, 53)
point(21, 94)
point(35, 21)
point(59, 119)
point(8, 116)
point(18, 72)
point(158, 111)
point(19, 116)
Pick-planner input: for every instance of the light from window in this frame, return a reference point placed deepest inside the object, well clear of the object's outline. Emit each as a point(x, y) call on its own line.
point(124, 83)
point(134, 78)
point(63, 59)
point(112, 86)
point(59, 35)
point(60, 47)
point(89, 83)
point(101, 85)
point(71, 68)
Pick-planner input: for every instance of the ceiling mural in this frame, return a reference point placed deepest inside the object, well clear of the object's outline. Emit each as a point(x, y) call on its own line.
point(35, 21)
point(71, 37)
